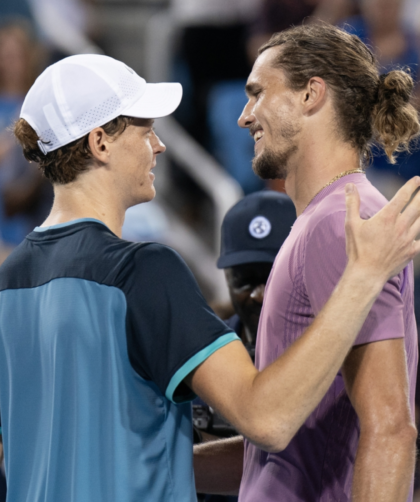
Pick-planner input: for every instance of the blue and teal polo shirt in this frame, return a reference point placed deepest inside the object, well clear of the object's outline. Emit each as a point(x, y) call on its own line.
point(96, 337)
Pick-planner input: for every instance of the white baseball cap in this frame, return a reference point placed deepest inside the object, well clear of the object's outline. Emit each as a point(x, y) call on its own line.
point(79, 93)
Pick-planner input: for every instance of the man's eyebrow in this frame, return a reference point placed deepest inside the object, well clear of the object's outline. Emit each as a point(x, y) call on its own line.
point(149, 123)
point(252, 89)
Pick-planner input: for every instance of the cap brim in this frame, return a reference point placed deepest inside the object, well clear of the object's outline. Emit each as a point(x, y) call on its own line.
point(243, 257)
point(158, 100)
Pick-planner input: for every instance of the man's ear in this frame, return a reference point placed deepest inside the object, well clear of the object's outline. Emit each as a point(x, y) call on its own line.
point(99, 145)
point(314, 95)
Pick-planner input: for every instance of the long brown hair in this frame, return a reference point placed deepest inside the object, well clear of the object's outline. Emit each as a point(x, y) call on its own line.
point(369, 107)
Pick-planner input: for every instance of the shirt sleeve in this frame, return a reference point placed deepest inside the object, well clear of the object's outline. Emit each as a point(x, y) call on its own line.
point(170, 328)
point(324, 263)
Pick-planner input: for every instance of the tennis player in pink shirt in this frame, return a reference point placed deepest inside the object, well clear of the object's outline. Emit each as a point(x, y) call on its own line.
point(316, 102)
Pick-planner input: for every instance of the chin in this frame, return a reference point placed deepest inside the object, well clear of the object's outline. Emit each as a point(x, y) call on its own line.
point(271, 165)
point(144, 196)
point(268, 166)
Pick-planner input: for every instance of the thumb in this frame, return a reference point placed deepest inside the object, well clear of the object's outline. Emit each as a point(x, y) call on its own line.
point(352, 203)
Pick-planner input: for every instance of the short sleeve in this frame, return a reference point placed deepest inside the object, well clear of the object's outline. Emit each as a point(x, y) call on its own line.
point(324, 263)
point(170, 328)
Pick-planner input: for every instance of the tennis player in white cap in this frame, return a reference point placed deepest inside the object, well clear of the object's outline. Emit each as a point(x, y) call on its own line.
point(103, 342)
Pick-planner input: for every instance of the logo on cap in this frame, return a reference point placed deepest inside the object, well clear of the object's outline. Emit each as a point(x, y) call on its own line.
point(260, 227)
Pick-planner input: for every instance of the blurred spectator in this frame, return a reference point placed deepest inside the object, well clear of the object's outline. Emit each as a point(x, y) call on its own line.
point(24, 196)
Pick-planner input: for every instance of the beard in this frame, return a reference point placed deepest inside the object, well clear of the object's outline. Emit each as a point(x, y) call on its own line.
point(271, 165)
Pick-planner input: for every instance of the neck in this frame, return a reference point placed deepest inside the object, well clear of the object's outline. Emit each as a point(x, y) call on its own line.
point(79, 200)
point(315, 166)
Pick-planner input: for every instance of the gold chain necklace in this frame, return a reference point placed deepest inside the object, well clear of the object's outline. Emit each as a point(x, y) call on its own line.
point(341, 175)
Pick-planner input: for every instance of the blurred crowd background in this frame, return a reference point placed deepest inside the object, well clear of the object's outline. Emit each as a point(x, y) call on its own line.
point(208, 46)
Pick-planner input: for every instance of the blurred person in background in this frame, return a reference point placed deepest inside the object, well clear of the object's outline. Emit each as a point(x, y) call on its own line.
point(253, 231)
point(25, 196)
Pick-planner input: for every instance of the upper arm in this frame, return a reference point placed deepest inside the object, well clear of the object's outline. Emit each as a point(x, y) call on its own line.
point(170, 327)
point(376, 380)
point(222, 381)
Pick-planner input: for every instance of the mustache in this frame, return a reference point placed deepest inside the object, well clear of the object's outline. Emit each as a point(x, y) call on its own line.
point(253, 128)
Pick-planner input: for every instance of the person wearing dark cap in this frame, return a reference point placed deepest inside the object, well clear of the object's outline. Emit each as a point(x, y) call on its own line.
point(252, 233)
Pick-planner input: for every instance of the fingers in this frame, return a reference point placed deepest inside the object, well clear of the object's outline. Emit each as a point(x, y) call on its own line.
point(352, 203)
point(403, 196)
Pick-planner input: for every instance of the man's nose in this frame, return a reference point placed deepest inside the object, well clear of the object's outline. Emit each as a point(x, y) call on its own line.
point(258, 293)
point(158, 147)
point(246, 118)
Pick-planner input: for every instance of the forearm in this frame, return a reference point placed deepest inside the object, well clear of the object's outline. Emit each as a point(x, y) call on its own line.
point(218, 466)
point(384, 467)
point(287, 391)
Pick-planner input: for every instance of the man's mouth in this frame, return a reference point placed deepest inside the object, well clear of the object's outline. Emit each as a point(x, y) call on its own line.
point(258, 135)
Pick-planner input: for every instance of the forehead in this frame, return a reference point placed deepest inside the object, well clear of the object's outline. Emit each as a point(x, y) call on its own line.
point(264, 72)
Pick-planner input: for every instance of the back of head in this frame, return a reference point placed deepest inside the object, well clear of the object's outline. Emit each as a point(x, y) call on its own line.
point(369, 107)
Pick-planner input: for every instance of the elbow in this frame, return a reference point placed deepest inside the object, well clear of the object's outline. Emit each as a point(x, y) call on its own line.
point(401, 433)
point(407, 434)
point(271, 437)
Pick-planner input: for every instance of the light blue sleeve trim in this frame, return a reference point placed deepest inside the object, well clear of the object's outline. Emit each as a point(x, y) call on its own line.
point(195, 361)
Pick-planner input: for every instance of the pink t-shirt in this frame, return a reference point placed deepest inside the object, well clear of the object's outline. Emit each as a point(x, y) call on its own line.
point(317, 466)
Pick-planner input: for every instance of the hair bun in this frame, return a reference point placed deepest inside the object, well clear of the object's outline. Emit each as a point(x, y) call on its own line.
point(395, 84)
point(395, 120)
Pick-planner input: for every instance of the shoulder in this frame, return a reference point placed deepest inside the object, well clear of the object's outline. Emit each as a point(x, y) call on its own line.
point(17, 261)
point(156, 265)
point(235, 324)
point(331, 211)
point(152, 255)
